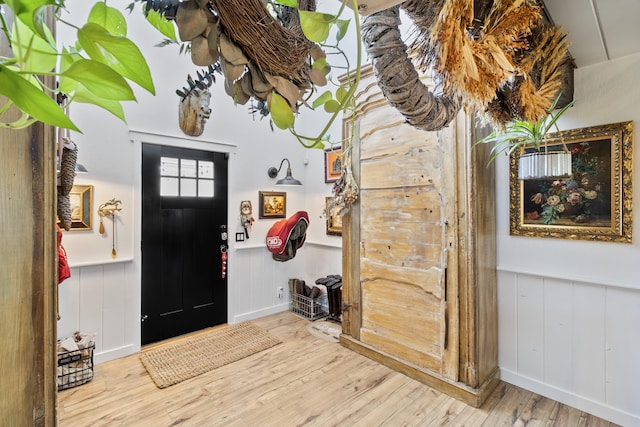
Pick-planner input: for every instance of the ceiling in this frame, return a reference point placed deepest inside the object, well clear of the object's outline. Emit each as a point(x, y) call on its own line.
point(599, 30)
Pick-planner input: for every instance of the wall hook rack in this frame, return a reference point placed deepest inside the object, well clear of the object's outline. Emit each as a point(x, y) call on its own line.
point(110, 209)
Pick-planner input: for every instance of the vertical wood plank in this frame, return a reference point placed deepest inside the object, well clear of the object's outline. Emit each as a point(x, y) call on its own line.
point(558, 330)
point(92, 303)
point(589, 341)
point(69, 301)
point(622, 349)
point(351, 241)
point(507, 321)
point(132, 308)
point(113, 313)
point(27, 274)
point(530, 326)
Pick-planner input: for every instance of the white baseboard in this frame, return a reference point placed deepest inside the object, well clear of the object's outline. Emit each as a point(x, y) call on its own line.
point(261, 313)
point(592, 407)
point(115, 353)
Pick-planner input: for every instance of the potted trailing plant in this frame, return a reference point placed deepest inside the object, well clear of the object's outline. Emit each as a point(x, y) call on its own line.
point(520, 135)
point(97, 69)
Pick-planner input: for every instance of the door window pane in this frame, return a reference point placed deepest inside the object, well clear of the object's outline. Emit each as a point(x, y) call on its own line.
point(188, 168)
point(168, 166)
point(169, 186)
point(205, 188)
point(205, 169)
point(188, 187)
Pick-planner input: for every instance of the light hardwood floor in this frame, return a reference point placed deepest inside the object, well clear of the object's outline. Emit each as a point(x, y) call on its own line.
point(305, 381)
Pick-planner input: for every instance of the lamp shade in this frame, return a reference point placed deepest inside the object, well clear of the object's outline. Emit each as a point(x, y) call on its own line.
point(544, 165)
point(288, 179)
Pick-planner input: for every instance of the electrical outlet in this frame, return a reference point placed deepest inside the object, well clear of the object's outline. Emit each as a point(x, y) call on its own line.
point(280, 292)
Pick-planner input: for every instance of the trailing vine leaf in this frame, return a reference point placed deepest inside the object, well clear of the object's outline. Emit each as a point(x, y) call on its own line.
point(166, 27)
point(332, 106)
point(109, 18)
point(290, 3)
point(34, 53)
point(32, 100)
point(281, 113)
point(316, 25)
point(322, 99)
point(67, 85)
point(31, 13)
point(83, 95)
point(100, 80)
point(341, 94)
point(117, 52)
point(343, 27)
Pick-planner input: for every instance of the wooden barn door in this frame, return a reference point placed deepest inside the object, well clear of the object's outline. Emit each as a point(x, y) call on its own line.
point(404, 294)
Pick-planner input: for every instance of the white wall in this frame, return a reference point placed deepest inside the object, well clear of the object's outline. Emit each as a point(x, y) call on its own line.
point(103, 295)
point(569, 310)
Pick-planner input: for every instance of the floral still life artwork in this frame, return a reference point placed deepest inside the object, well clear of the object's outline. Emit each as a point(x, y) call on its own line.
point(591, 204)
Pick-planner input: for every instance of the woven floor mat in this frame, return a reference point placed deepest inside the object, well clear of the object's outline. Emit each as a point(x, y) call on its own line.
point(177, 361)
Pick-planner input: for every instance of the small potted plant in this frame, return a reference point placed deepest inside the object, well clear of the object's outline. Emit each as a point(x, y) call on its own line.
point(540, 163)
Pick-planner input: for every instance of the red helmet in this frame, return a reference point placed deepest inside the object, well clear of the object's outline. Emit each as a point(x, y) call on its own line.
point(286, 236)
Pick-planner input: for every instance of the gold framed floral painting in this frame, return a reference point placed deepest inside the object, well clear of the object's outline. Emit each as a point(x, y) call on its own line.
point(594, 203)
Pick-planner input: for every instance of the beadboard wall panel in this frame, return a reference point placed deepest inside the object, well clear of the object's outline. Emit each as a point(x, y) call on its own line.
point(105, 298)
point(571, 341)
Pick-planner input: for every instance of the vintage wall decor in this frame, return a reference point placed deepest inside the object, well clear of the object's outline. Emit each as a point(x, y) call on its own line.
point(110, 209)
point(272, 204)
point(332, 164)
point(194, 110)
point(80, 200)
point(334, 219)
point(594, 203)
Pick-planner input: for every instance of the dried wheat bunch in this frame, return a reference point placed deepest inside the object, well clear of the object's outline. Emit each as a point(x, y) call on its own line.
point(474, 54)
point(529, 96)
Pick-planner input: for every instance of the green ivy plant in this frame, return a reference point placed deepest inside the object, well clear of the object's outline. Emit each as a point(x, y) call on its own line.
point(96, 69)
point(317, 27)
point(521, 133)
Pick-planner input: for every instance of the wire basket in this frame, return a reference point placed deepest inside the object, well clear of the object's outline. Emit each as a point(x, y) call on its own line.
point(75, 367)
point(309, 308)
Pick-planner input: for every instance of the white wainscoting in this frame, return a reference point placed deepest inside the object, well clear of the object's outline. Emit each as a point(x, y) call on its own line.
point(102, 299)
point(572, 341)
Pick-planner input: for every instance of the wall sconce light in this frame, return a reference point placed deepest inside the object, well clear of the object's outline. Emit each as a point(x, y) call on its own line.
point(287, 180)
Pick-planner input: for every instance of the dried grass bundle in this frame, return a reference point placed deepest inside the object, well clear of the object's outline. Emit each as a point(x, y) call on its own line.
point(529, 96)
point(474, 54)
point(272, 47)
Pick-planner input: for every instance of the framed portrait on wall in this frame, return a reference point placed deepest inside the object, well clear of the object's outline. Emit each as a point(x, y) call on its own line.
point(332, 164)
point(272, 204)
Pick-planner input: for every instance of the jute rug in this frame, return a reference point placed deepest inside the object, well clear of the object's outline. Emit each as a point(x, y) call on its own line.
point(175, 362)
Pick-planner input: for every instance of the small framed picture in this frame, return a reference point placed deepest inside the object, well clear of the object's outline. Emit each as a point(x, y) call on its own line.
point(332, 164)
point(80, 198)
point(272, 204)
point(334, 219)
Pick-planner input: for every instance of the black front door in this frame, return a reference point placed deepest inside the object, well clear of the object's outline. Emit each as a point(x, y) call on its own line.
point(184, 211)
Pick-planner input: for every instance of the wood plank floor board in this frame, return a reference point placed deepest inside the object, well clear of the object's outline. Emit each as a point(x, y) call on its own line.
point(305, 381)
